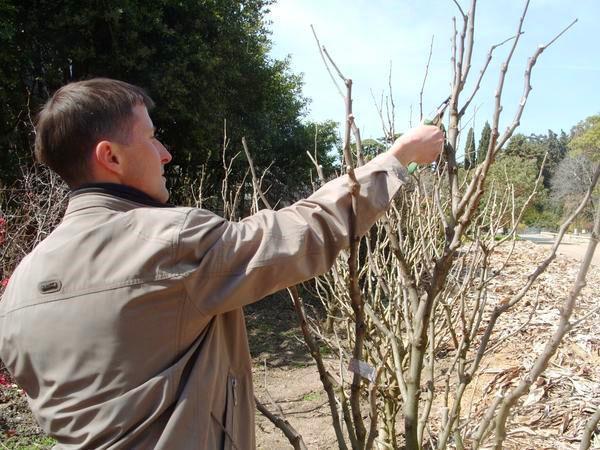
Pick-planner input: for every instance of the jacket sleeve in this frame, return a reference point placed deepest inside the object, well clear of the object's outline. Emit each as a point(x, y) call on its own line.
point(227, 265)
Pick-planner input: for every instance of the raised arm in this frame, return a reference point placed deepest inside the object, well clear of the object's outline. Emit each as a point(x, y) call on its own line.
point(230, 264)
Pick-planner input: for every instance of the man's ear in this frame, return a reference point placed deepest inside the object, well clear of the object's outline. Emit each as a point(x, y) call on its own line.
point(109, 157)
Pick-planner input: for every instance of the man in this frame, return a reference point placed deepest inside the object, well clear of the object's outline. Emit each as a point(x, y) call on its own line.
point(124, 326)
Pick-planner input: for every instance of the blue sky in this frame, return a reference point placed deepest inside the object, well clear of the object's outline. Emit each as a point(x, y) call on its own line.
point(364, 36)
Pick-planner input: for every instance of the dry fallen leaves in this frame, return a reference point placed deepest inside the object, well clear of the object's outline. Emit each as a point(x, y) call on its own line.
point(554, 412)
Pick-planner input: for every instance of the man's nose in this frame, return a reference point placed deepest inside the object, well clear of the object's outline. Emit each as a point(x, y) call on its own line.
point(165, 155)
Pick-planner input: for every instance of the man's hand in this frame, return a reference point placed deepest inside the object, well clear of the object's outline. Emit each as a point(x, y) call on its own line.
point(420, 145)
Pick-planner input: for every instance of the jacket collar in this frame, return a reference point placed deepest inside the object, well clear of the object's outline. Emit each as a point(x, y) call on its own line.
point(110, 195)
point(118, 190)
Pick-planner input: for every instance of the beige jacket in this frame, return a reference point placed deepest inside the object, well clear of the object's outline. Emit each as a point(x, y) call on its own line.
point(125, 327)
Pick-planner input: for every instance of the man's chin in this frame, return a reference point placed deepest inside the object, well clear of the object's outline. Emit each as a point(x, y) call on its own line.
point(164, 197)
point(161, 196)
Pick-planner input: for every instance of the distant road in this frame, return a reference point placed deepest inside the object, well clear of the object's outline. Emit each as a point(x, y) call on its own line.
point(573, 246)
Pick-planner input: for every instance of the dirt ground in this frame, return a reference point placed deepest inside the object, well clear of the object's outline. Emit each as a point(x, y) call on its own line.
point(550, 417)
point(285, 376)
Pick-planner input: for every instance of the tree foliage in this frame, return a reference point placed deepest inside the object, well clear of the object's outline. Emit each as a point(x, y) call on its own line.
point(536, 147)
point(532, 150)
point(514, 173)
point(484, 142)
point(373, 147)
point(523, 147)
point(201, 61)
point(586, 138)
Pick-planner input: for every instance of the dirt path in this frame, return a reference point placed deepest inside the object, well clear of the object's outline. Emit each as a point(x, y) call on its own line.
point(573, 246)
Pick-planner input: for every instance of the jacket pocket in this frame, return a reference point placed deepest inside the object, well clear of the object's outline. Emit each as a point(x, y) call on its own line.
point(230, 413)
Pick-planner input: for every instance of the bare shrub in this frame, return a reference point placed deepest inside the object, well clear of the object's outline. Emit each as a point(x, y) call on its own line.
point(409, 307)
point(29, 211)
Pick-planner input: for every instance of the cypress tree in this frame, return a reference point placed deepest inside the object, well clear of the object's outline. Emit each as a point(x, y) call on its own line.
point(484, 142)
point(470, 153)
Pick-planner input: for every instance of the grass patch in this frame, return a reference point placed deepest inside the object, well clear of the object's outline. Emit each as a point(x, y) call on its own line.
point(24, 443)
point(311, 397)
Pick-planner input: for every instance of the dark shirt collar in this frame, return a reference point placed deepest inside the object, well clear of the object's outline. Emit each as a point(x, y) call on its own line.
point(119, 190)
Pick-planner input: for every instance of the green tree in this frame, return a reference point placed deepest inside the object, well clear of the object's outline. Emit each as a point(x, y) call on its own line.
point(287, 173)
point(372, 148)
point(513, 172)
point(557, 148)
point(12, 111)
point(202, 62)
point(484, 142)
point(537, 147)
point(564, 140)
point(553, 149)
point(470, 150)
point(586, 138)
point(526, 148)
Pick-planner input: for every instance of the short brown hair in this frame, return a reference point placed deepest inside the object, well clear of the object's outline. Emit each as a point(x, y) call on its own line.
point(77, 117)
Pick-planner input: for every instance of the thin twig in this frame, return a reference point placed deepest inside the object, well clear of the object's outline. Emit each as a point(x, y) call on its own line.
point(425, 79)
point(339, 89)
point(255, 180)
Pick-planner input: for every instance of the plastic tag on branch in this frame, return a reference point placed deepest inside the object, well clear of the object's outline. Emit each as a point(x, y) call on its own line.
point(362, 368)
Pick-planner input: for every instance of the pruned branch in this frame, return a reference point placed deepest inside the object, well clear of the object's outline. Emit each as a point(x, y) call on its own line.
point(470, 41)
point(481, 74)
point(255, 180)
point(526, 90)
point(322, 53)
point(290, 432)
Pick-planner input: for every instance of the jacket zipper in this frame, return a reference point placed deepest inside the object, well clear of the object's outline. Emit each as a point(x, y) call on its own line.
point(232, 401)
point(234, 386)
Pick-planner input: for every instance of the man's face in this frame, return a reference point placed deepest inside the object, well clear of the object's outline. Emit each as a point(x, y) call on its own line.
point(144, 157)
